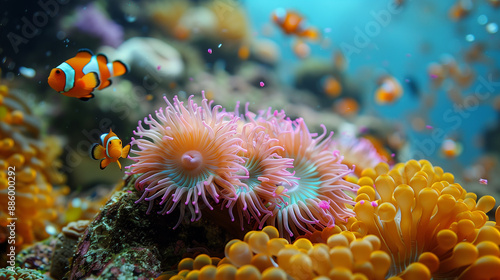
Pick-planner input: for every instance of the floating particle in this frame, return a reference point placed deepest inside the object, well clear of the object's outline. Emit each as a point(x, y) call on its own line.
point(393, 155)
point(483, 181)
point(482, 19)
point(328, 30)
point(50, 229)
point(492, 28)
point(210, 51)
point(470, 38)
point(324, 204)
point(158, 67)
point(262, 84)
point(429, 127)
point(220, 45)
point(190, 78)
point(27, 72)
point(434, 76)
point(408, 55)
point(130, 18)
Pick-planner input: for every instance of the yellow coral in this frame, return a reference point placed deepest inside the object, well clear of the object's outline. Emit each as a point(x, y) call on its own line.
point(28, 168)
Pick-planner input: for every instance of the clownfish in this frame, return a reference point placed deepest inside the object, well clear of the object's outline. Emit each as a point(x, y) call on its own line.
point(79, 76)
point(293, 23)
point(389, 90)
point(110, 151)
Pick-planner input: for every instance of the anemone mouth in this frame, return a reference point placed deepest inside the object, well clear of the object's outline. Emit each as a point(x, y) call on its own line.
point(192, 160)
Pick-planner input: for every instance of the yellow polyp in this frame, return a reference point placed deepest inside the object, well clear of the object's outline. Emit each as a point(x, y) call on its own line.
point(410, 168)
point(301, 267)
point(418, 183)
point(390, 236)
point(320, 257)
point(369, 172)
point(7, 144)
point(201, 260)
point(341, 257)
point(4, 90)
point(446, 240)
point(438, 171)
point(361, 250)
point(448, 177)
point(385, 186)
point(349, 235)
point(405, 198)
point(464, 254)
point(359, 229)
point(208, 272)
point(445, 205)
point(192, 275)
point(240, 254)
point(228, 245)
point(487, 267)
point(274, 273)
point(430, 260)
point(365, 268)
point(396, 176)
point(186, 263)
point(382, 168)
point(258, 242)
point(215, 260)
point(416, 271)
point(337, 240)
point(303, 243)
point(368, 190)
point(247, 235)
point(271, 231)
point(176, 277)
point(488, 248)
point(362, 196)
point(275, 245)
point(470, 202)
point(17, 117)
point(284, 257)
point(16, 160)
point(329, 231)
point(27, 175)
point(261, 262)
point(340, 273)
point(451, 190)
point(248, 272)
point(485, 203)
point(226, 272)
point(381, 261)
point(479, 218)
point(486, 233)
point(359, 276)
point(465, 228)
point(365, 181)
point(224, 261)
point(374, 240)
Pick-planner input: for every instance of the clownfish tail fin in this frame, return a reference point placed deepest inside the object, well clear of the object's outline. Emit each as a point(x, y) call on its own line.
point(125, 151)
point(97, 151)
point(119, 68)
point(90, 81)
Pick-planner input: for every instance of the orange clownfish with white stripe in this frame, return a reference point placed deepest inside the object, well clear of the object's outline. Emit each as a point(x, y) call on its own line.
point(110, 151)
point(293, 23)
point(79, 76)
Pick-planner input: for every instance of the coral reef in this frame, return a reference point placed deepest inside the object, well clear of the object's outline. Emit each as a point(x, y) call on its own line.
point(32, 160)
point(21, 274)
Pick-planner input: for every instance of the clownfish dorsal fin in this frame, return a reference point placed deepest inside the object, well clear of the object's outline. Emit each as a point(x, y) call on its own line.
point(103, 138)
point(102, 58)
point(84, 53)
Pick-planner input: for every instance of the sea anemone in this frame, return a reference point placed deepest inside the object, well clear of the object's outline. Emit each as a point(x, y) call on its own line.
point(266, 170)
point(190, 153)
point(318, 196)
point(421, 215)
point(359, 152)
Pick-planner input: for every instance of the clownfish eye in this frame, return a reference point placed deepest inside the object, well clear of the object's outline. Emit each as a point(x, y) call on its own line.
point(58, 71)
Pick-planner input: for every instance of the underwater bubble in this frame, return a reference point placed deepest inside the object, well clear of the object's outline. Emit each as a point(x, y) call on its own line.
point(482, 19)
point(61, 35)
point(492, 28)
point(27, 72)
point(470, 38)
point(130, 18)
point(220, 45)
point(50, 229)
point(76, 202)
